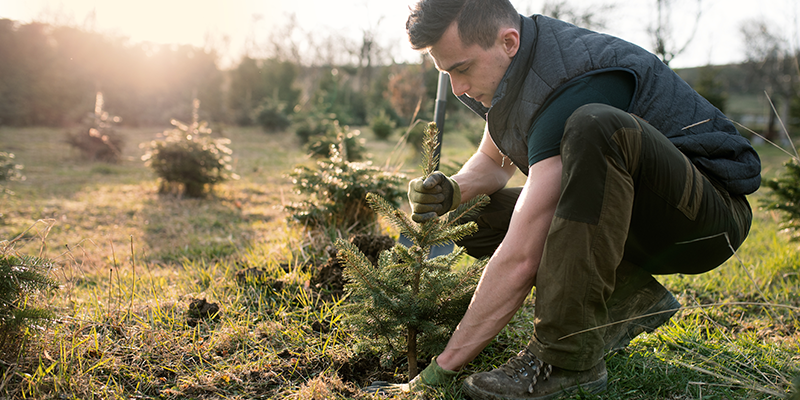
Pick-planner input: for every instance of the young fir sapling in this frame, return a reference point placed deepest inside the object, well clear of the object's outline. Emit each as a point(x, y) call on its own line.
point(410, 295)
point(784, 196)
point(189, 158)
point(22, 277)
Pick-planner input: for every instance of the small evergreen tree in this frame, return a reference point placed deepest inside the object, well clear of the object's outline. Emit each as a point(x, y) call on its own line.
point(410, 295)
point(272, 116)
point(310, 124)
point(351, 146)
point(98, 138)
point(785, 196)
point(382, 125)
point(711, 87)
point(20, 278)
point(9, 171)
point(189, 158)
point(335, 192)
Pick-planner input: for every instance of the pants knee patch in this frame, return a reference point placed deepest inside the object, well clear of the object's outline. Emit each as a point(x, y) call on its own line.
point(593, 118)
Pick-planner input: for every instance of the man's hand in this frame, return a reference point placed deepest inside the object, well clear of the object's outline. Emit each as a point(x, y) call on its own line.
point(433, 196)
point(433, 375)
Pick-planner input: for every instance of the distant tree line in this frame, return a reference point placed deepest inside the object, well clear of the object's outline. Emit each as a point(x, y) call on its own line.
point(49, 76)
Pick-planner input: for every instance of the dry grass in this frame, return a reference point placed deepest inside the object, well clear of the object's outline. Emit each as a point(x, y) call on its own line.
point(131, 261)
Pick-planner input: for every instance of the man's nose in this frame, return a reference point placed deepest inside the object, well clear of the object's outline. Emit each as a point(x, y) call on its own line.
point(459, 86)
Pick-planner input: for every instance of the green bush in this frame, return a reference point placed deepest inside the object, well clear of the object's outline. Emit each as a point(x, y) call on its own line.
point(271, 116)
point(335, 193)
point(350, 145)
point(309, 125)
point(9, 169)
point(97, 139)
point(382, 126)
point(189, 159)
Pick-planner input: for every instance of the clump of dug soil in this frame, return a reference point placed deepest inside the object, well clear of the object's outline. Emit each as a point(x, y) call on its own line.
point(257, 276)
point(329, 278)
point(199, 310)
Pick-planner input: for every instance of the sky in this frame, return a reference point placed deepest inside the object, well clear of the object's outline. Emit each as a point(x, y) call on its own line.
point(234, 27)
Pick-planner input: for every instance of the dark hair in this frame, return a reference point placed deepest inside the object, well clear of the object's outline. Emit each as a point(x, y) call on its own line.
point(478, 21)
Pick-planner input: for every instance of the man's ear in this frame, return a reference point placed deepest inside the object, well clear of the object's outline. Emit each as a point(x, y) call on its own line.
point(509, 38)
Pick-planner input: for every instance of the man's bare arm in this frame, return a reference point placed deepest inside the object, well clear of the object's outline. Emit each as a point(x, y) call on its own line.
point(486, 172)
point(511, 272)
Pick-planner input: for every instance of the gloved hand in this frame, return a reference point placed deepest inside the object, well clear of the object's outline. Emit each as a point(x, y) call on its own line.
point(433, 375)
point(433, 196)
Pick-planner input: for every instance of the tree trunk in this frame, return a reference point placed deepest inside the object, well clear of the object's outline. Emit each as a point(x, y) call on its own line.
point(770, 131)
point(412, 331)
point(785, 116)
point(412, 353)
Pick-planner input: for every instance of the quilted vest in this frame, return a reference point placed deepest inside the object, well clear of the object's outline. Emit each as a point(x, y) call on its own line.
point(553, 53)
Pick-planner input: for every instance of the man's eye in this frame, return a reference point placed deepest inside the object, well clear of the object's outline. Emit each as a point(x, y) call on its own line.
point(463, 71)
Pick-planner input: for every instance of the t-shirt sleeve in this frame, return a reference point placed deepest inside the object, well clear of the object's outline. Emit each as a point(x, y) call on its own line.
point(615, 88)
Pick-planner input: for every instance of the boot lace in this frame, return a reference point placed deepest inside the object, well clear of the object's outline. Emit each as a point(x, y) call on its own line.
point(526, 366)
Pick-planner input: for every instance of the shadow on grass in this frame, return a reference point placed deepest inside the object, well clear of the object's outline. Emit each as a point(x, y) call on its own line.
point(642, 374)
point(656, 370)
point(180, 229)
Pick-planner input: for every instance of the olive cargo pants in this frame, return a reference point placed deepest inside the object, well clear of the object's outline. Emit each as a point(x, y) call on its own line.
point(631, 205)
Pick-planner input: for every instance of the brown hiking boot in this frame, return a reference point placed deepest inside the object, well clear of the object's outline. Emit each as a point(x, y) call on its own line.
point(527, 377)
point(650, 299)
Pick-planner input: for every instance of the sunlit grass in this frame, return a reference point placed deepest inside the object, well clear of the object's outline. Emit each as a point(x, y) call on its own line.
point(131, 261)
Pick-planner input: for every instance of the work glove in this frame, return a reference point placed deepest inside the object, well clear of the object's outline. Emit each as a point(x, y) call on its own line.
point(432, 376)
point(433, 196)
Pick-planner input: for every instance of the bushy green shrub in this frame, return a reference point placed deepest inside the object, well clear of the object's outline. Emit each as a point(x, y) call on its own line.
point(189, 159)
point(9, 169)
point(350, 145)
point(97, 138)
point(382, 125)
point(309, 125)
point(271, 115)
point(335, 193)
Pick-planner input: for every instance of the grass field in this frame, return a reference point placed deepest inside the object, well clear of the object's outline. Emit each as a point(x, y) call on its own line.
point(131, 261)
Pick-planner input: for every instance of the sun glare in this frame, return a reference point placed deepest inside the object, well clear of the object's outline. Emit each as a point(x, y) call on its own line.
point(171, 21)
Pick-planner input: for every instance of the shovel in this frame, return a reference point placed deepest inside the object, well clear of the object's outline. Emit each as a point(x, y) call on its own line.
point(442, 87)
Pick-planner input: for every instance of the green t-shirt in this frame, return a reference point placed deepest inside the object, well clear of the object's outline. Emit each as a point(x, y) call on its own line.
point(615, 88)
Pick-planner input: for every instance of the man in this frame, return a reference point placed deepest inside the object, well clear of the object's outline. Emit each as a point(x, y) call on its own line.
point(630, 173)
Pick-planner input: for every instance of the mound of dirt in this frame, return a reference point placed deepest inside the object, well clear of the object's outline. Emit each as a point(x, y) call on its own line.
point(200, 309)
point(329, 277)
point(257, 276)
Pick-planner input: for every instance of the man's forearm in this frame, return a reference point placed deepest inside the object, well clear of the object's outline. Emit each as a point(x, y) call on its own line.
point(490, 311)
point(511, 272)
point(482, 175)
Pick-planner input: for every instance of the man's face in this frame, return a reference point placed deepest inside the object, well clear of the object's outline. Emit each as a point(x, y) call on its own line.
point(473, 70)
